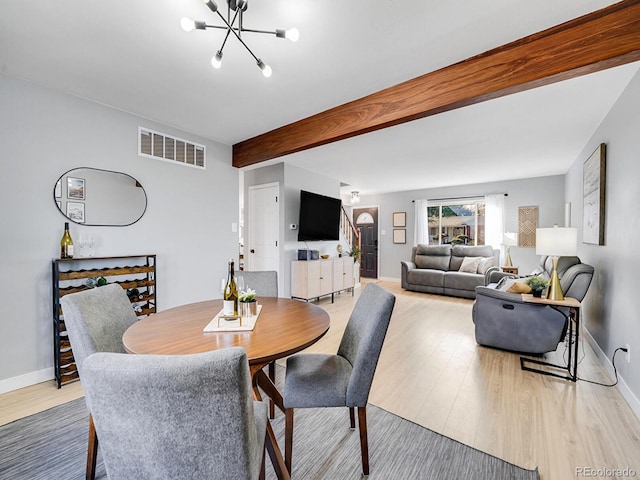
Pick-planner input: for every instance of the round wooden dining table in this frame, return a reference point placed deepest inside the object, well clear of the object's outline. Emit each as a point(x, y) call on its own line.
point(283, 327)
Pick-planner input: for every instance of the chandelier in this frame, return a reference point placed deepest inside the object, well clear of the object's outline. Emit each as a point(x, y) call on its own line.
point(236, 29)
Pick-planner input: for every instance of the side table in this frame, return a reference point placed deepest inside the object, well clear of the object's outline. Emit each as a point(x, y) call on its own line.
point(574, 335)
point(513, 270)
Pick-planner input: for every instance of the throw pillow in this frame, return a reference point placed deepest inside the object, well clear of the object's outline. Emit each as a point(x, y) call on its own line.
point(485, 263)
point(519, 287)
point(470, 264)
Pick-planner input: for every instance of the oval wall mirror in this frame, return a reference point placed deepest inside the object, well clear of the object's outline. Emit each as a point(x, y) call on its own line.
point(95, 197)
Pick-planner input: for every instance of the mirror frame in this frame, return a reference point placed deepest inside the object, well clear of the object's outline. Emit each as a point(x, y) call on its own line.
point(55, 199)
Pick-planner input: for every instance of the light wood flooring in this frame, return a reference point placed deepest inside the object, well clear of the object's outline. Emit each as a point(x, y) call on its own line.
point(432, 372)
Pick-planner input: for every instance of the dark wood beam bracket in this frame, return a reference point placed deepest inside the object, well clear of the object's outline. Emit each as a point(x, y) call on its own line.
point(603, 39)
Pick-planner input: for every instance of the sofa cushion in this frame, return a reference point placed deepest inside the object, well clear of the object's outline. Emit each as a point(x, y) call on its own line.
point(486, 263)
point(462, 281)
point(458, 252)
point(470, 264)
point(432, 278)
point(433, 256)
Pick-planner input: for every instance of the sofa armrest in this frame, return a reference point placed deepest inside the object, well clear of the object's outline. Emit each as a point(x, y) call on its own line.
point(405, 266)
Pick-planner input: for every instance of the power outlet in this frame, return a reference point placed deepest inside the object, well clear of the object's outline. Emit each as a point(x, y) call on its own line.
point(627, 354)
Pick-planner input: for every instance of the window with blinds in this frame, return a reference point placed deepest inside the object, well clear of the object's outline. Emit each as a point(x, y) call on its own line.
point(164, 147)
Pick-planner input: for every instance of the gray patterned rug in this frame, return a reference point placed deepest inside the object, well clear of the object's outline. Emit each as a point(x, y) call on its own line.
point(52, 445)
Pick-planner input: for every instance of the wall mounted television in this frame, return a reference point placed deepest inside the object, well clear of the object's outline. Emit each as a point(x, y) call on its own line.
point(319, 217)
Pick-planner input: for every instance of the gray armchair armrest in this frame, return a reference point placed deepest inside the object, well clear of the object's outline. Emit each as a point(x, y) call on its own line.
point(494, 275)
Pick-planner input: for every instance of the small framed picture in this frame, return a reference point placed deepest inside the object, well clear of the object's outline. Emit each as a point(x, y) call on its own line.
point(75, 211)
point(58, 191)
point(400, 219)
point(75, 188)
point(399, 235)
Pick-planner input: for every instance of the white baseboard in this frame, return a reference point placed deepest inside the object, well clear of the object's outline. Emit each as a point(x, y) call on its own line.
point(26, 380)
point(624, 389)
point(389, 279)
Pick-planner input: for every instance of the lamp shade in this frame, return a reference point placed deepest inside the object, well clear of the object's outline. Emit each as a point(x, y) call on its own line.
point(556, 241)
point(510, 239)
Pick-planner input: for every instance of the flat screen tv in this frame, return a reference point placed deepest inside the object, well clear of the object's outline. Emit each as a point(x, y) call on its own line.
point(319, 217)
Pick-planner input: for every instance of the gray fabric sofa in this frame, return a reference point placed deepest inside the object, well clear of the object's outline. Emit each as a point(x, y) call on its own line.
point(503, 320)
point(435, 269)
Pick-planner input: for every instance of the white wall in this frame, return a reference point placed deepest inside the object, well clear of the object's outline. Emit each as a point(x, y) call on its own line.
point(187, 223)
point(610, 313)
point(547, 193)
point(292, 179)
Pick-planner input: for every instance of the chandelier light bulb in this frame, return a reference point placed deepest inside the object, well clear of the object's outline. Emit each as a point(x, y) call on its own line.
point(293, 34)
point(187, 24)
point(216, 60)
point(266, 71)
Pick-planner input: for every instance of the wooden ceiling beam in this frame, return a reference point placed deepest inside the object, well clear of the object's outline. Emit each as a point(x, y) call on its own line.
point(597, 41)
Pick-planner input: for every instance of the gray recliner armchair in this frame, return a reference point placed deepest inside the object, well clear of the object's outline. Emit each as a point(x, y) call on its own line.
point(503, 320)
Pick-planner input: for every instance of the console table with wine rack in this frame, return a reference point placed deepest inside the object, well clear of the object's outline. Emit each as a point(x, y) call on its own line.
point(71, 275)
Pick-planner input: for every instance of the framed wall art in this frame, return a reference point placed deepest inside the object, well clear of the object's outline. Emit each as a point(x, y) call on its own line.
point(75, 211)
point(75, 188)
point(527, 224)
point(399, 219)
point(593, 196)
point(399, 235)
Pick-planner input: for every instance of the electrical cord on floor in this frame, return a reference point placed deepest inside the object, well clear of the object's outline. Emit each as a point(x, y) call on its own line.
point(615, 371)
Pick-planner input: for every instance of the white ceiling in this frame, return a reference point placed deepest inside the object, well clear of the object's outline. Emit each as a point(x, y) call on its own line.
point(132, 55)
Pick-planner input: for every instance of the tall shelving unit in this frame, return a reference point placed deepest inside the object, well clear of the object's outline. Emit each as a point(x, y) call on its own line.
point(70, 276)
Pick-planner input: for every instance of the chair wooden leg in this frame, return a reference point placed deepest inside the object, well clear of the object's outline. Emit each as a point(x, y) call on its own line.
point(272, 377)
point(352, 418)
point(262, 466)
point(288, 437)
point(92, 451)
point(364, 444)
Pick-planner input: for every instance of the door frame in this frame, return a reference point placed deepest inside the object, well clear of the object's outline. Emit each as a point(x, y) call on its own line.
point(353, 220)
point(248, 223)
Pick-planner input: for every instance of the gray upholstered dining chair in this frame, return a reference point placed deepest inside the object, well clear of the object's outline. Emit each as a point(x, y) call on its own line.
point(176, 416)
point(265, 283)
point(95, 320)
point(314, 380)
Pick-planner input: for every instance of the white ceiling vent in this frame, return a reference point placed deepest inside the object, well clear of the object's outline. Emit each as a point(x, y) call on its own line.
point(170, 149)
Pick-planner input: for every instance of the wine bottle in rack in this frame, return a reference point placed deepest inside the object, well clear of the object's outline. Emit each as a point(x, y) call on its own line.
point(230, 307)
point(66, 243)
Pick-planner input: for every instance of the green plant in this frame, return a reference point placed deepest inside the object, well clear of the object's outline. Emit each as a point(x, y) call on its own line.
point(537, 283)
point(247, 296)
point(459, 239)
point(355, 253)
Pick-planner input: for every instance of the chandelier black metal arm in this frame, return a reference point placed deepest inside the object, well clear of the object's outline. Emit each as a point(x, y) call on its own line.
point(239, 6)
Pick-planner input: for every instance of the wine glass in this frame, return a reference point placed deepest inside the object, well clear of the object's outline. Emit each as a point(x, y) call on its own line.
point(90, 240)
point(82, 244)
point(240, 283)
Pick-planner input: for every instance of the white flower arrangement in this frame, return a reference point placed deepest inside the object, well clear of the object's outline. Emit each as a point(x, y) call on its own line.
point(247, 295)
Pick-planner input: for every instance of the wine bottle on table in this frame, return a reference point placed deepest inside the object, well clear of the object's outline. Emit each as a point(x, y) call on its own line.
point(66, 244)
point(230, 294)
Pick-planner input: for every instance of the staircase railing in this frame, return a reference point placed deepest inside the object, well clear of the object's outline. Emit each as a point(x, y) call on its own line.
point(350, 232)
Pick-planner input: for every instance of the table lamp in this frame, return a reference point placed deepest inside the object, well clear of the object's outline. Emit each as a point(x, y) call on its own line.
point(509, 239)
point(556, 242)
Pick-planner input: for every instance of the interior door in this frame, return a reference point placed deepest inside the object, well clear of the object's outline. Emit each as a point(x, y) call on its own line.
point(366, 220)
point(262, 251)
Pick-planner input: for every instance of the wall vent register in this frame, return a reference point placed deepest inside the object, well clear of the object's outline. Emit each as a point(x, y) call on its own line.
point(172, 149)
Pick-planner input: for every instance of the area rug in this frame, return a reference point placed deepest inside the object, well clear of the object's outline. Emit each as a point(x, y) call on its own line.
point(52, 445)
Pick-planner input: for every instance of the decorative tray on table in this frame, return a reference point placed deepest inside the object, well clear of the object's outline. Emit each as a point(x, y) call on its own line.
point(222, 323)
